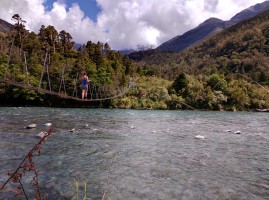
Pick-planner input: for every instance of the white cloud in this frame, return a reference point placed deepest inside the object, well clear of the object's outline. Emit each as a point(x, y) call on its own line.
point(71, 19)
point(124, 23)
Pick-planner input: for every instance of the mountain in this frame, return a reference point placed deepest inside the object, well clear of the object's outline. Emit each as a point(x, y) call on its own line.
point(77, 46)
point(209, 26)
point(241, 48)
point(250, 12)
point(227, 70)
point(189, 38)
point(126, 51)
point(5, 26)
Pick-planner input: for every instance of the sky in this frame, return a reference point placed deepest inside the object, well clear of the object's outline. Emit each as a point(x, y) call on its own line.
point(123, 24)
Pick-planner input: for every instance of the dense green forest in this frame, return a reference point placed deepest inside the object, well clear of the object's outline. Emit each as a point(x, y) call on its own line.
point(49, 57)
point(227, 71)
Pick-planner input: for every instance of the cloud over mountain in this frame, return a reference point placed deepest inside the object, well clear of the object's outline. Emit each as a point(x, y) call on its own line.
point(123, 23)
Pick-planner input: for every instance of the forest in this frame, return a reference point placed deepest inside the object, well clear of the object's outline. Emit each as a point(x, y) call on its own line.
point(227, 71)
point(49, 57)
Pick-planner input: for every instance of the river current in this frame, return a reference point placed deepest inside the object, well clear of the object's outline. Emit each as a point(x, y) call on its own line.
point(139, 154)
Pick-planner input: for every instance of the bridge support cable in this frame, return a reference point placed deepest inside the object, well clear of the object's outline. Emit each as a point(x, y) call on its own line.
point(97, 92)
point(62, 82)
point(246, 77)
point(43, 70)
point(26, 68)
point(90, 90)
point(75, 91)
point(9, 55)
point(102, 91)
point(47, 69)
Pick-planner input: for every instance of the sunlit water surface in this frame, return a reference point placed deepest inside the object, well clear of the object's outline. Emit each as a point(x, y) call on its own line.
point(131, 154)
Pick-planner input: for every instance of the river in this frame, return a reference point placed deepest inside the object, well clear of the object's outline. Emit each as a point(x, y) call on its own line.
point(139, 154)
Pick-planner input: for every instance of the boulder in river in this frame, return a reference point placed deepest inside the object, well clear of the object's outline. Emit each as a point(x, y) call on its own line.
point(72, 130)
point(237, 132)
point(199, 137)
point(41, 134)
point(48, 124)
point(30, 126)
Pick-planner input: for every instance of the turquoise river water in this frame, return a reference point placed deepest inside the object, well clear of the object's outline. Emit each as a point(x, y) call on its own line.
point(139, 154)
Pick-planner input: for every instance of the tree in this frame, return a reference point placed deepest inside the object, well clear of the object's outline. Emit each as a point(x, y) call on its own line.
point(107, 51)
point(180, 84)
point(98, 57)
point(90, 48)
point(20, 32)
point(66, 41)
point(217, 82)
point(52, 37)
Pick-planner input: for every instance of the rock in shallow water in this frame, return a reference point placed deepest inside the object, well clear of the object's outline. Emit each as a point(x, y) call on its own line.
point(41, 134)
point(31, 126)
point(199, 137)
point(72, 130)
point(48, 124)
point(237, 132)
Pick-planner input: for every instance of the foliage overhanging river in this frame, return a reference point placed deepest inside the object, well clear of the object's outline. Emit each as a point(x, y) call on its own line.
point(140, 154)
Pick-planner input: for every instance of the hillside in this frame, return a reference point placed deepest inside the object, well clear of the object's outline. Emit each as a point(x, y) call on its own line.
point(227, 71)
point(189, 38)
point(5, 26)
point(48, 60)
point(242, 48)
point(208, 27)
point(250, 12)
point(244, 42)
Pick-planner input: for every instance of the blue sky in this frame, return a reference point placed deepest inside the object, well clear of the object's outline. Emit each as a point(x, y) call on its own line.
point(123, 24)
point(89, 7)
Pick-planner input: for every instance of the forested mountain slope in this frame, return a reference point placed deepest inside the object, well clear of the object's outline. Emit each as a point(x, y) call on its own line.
point(205, 29)
point(189, 38)
point(208, 27)
point(228, 70)
point(240, 48)
point(5, 26)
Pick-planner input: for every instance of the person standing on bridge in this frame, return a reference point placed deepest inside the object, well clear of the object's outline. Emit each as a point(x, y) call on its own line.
point(85, 81)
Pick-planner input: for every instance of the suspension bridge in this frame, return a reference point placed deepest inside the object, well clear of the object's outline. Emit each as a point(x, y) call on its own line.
point(64, 83)
point(96, 92)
